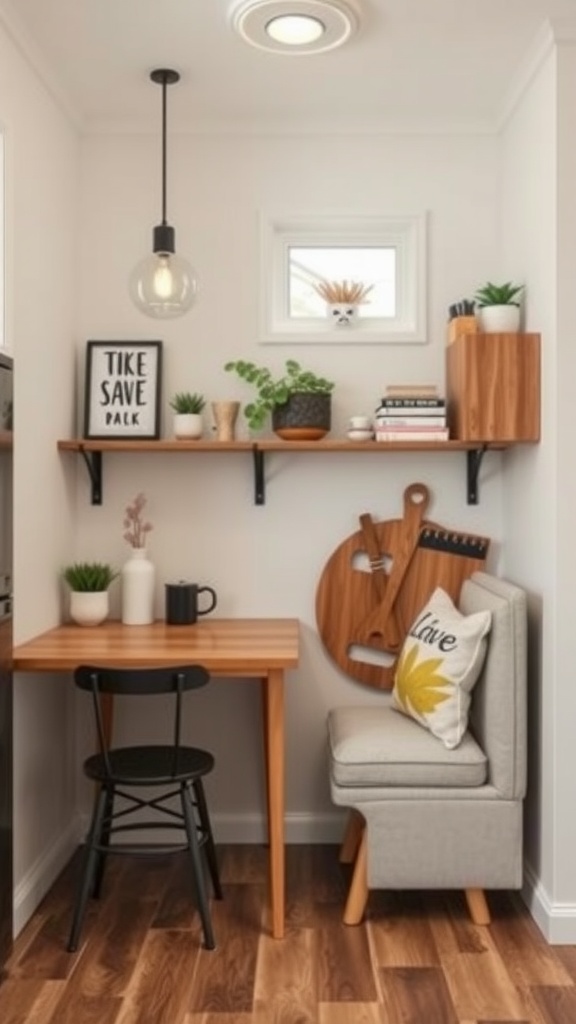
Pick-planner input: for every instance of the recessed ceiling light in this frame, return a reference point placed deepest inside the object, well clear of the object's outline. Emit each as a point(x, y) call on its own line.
point(295, 29)
point(295, 26)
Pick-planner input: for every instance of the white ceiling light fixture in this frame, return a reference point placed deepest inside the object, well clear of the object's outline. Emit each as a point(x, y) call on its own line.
point(295, 26)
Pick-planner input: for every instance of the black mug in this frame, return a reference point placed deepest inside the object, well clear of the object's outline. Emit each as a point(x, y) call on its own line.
point(182, 603)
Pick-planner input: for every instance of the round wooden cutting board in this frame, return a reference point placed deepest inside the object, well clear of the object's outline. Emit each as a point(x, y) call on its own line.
point(378, 579)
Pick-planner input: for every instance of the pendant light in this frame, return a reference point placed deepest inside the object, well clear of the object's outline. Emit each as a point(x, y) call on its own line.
point(163, 284)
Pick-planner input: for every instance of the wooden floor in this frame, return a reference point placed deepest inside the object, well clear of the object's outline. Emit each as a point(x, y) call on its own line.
point(416, 960)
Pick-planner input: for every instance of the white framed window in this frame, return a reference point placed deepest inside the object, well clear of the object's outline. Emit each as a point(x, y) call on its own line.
point(386, 254)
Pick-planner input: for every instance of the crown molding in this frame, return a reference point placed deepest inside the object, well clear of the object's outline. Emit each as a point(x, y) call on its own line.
point(42, 69)
point(553, 33)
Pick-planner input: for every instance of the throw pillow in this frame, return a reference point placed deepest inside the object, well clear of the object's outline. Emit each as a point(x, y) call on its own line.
point(440, 661)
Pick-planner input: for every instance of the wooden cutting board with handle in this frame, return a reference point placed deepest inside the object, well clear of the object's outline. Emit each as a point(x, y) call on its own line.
point(379, 578)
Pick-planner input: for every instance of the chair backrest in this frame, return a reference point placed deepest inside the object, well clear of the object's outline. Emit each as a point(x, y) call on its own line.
point(498, 713)
point(174, 680)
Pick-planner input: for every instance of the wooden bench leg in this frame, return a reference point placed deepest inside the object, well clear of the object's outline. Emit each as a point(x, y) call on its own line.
point(352, 837)
point(477, 905)
point(358, 892)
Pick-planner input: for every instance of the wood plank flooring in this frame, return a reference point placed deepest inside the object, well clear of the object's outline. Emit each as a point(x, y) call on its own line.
point(417, 959)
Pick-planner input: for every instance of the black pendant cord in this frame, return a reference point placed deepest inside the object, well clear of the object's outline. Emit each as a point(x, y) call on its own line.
point(164, 241)
point(164, 85)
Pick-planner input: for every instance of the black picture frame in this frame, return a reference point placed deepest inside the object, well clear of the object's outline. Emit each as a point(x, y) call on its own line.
point(123, 381)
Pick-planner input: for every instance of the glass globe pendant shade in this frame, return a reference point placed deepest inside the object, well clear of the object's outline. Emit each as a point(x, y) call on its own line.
point(163, 285)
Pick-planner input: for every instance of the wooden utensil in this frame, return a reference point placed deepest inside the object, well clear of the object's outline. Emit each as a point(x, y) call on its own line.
point(347, 603)
point(381, 626)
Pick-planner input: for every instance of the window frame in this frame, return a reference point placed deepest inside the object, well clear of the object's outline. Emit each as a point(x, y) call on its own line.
point(406, 233)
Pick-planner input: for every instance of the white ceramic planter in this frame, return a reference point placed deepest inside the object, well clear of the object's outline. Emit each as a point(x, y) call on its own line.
point(89, 607)
point(188, 426)
point(499, 319)
point(342, 314)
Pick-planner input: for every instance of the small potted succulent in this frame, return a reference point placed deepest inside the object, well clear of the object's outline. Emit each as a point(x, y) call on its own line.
point(188, 408)
point(89, 599)
point(298, 400)
point(499, 307)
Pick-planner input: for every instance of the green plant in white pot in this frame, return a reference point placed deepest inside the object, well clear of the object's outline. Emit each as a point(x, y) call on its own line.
point(188, 408)
point(499, 307)
point(298, 400)
point(89, 598)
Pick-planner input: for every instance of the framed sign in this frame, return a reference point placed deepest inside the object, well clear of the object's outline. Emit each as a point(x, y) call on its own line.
point(122, 390)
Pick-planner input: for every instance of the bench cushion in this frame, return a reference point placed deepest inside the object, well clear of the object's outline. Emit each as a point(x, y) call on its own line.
point(375, 746)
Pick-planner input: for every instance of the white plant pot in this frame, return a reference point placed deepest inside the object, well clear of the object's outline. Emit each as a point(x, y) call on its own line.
point(89, 607)
point(342, 314)
point(188, 426)
point(499, 319)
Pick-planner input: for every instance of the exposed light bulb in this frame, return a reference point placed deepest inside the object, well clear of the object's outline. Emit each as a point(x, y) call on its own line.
point(163, 285)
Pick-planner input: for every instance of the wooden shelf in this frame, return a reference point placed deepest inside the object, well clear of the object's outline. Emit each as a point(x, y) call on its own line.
point(92, 452)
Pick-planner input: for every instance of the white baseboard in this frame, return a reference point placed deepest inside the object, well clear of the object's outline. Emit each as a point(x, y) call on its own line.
point(228, 828)
point(32, 888)
point(327, 827)
point(556, 921)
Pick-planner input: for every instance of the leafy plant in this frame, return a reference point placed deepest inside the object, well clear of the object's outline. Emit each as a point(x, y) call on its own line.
point(89, 576)
point(185, 402)
point(499, 294)
point(273, 392)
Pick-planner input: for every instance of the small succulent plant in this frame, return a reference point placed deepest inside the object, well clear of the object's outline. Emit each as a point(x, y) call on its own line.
point(186, 402)
point(89, 576)
point(499, 294)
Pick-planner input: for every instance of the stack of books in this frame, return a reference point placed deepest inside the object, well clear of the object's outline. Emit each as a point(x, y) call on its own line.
point(410, 412)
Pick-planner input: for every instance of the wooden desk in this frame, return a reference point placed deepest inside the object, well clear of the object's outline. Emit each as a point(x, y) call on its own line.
point(255, 648)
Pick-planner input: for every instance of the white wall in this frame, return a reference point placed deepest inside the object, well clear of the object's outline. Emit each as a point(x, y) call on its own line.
point(267, 560)
point(539, 485)
point(42, 186)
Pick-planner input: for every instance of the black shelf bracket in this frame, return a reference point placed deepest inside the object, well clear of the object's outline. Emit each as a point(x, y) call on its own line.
point(93, 462)
point(259, 485)
point(474, 461)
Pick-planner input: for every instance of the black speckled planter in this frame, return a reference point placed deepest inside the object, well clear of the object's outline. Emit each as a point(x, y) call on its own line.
point(304, 417)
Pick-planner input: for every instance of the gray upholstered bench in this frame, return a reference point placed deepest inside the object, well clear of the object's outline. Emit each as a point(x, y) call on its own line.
point(423, 816)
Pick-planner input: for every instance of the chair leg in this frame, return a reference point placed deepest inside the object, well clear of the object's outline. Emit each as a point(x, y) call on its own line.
point(197, 865)
point(358, 892)
point(477, 905)
point(209, 846)
point(104, 841)
point(352, 837)
point(88, 870)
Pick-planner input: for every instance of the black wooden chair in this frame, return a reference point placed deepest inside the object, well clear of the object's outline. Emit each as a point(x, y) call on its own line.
point(121, 771)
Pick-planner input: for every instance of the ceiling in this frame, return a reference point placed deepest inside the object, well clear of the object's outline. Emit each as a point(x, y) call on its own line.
point(413, 64)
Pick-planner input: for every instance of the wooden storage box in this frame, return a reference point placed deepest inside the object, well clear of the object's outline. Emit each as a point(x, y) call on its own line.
point(493, 387)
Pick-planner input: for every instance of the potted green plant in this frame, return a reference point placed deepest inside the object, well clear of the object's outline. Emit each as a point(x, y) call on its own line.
point(499, 307)
point(188, 408)
point(299, 400)
point(89, 582)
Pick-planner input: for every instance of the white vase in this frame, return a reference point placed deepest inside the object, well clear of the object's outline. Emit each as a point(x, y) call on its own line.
point(89, 607)
point(188, 426)
point(138, 579)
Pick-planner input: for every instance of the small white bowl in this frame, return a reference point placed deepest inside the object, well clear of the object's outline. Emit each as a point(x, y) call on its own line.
point(360, 435)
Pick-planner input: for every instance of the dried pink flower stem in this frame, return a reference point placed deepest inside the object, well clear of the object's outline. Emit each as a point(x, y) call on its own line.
point(135, 527)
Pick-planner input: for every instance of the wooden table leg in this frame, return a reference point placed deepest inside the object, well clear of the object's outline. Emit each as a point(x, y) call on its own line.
point(274, 753)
